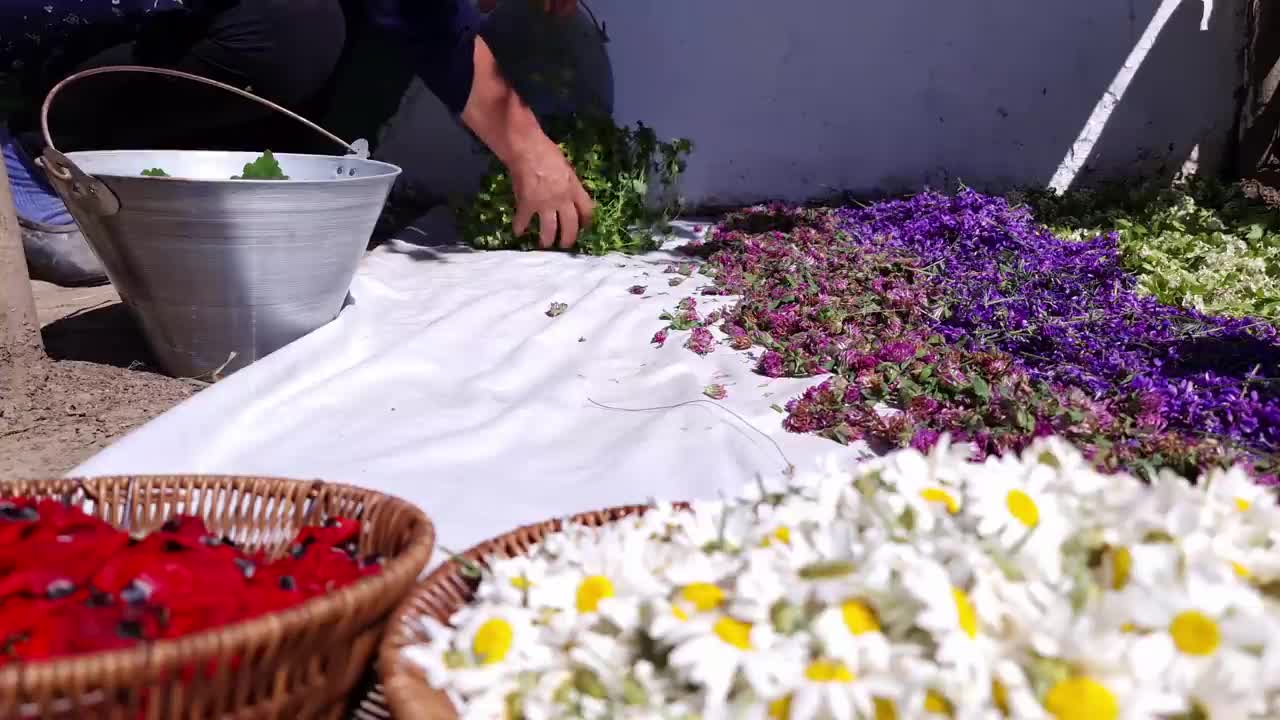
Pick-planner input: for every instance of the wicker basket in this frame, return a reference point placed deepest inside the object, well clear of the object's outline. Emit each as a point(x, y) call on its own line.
point(300, 663)
point(444, 592)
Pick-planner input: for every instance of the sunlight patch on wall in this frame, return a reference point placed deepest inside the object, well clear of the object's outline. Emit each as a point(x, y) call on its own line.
point(1080, 151)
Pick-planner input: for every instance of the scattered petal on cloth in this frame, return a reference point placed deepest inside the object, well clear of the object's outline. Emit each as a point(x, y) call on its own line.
point(440, 386)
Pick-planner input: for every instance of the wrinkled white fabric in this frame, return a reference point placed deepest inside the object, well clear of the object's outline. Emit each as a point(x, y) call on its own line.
point(446, 383)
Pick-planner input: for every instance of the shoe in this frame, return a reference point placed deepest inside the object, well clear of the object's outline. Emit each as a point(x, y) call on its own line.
point(56, 250)
point(59, 254)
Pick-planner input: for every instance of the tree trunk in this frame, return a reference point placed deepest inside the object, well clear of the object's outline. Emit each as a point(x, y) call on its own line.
point(19, 329)
point(1259, 140)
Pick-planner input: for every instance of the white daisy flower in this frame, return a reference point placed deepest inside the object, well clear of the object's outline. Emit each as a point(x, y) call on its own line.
point(1073, 469)
point(511, 579)
point(1170, 508)
point(1219, 695)
point(1020, 512)
point(1233, 492)
point(827, 689)
point(489, 701)
point(612, 564)
point(1084, 696)
point(1029, 586)
point(826, 579)
point(689, 601)
point(1182, 637)
point(492, 643)
point(949, 615)
point(1012, 695)
point(850, 632)
point(712, 651)
point(764, 580)
point(1091, 680)
point(928, 485)
point(542, 700)
point(714, 526)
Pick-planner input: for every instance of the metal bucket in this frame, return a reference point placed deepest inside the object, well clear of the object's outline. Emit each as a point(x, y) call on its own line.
point(221, 272)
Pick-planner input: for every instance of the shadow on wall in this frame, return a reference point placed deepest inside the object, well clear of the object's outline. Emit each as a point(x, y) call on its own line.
point(793, 100)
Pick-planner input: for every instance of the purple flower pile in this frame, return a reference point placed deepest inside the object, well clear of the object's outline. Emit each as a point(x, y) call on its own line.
point(1072, 316)
point(961, 315)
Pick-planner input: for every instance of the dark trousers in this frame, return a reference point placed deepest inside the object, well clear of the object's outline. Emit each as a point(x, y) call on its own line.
point(286, 51)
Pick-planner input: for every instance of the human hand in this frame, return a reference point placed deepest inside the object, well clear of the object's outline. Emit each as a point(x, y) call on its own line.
point(560, 8)
point(545, 185)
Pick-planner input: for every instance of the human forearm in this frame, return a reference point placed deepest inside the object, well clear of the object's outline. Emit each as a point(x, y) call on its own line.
point(544, 183)
point(495, 112)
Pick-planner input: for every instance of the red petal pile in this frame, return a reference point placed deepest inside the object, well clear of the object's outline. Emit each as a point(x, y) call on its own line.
point(72, 584)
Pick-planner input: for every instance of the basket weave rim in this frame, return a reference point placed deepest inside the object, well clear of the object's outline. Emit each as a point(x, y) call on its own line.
point(405, 686)
point(151, 660)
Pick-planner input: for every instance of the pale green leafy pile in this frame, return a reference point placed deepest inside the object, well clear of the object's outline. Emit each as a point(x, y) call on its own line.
point(1199, 244)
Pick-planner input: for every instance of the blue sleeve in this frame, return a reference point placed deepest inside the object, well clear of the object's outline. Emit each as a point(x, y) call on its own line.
point(441, 35)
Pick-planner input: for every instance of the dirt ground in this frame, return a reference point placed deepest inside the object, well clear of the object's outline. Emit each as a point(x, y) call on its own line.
point(97, 385)
point(99, 382)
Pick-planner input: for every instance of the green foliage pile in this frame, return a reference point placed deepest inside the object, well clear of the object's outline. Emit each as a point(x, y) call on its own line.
point(627, 171)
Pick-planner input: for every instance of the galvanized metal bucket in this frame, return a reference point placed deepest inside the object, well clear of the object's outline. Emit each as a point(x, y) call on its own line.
point(221, 272)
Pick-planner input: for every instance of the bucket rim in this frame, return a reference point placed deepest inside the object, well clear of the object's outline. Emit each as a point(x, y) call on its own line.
point(387, 169)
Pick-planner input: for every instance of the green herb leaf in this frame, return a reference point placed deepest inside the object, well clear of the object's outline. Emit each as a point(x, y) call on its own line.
point(981, 388)
point(265, 167)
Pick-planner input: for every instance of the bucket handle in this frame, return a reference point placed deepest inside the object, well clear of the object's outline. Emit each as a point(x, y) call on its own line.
point(48, 100)
point(92, 194)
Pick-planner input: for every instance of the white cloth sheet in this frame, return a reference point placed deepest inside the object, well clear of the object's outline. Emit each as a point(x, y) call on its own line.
point(446, 383)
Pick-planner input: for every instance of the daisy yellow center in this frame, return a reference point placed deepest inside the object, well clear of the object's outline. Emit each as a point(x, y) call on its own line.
point(679, 612)
point(733, 632)
point(521, 582)
point(935, 703)
point(780, 709)
point(781, 534)
point(885, 709)
point(1241, 571)
point(492, 641)
point(858, 618)
point(966, 616)
point(1195, 633)
point(703, 597)
point(1241, 504)
point(1121, 566)
point(591, 591)
point(827, 671)
point(938, 495)
point(1000, 697)
point(1081, 698)
point(1022, 508)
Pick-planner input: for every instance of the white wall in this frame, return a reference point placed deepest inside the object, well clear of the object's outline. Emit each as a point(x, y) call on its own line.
point(791, 98)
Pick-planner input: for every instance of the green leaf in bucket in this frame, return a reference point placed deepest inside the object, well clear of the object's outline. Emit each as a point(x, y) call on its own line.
point(155, 172)
point(264, 168)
